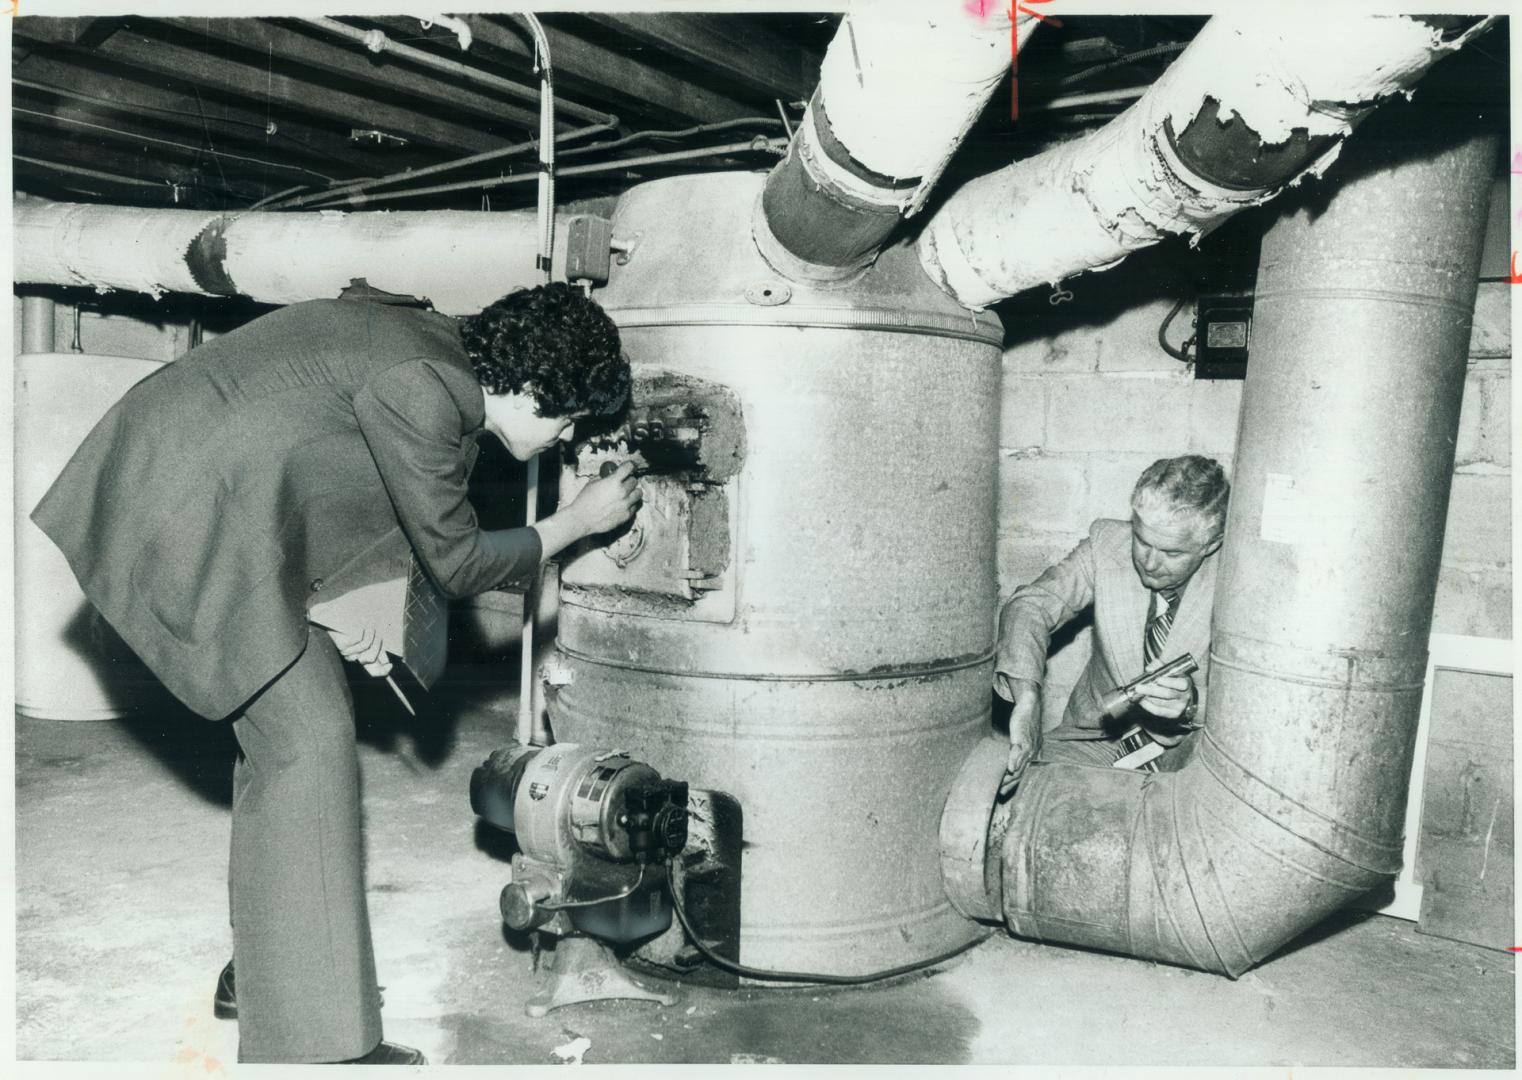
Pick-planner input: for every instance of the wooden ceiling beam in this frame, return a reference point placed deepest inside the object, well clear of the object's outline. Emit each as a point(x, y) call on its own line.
point(763, 61)
point(611, 76)
point(351, 62)
point(34, 139)
point(212, 116)
point(94, 135)
point(260, 86)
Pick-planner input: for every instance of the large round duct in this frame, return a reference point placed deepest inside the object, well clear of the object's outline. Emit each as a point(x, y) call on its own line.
point(1293, 803)
point(834, 671)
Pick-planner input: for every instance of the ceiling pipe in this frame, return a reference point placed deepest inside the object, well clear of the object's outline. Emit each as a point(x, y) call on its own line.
point(899, 87)
point(1293, 803)
point(1256, 103)
point(460, 260)
point(377, 42)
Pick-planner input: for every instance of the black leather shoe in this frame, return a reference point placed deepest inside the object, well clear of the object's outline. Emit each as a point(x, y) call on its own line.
point(389, 1053)
point(225, 1002)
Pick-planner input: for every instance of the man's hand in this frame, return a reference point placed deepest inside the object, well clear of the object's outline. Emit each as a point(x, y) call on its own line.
point(366, 649)
point(607, 502)
point(1024, 727)
point(1168, 699)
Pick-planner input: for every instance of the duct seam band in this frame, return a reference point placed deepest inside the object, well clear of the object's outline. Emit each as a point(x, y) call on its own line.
point(842, 177)
point(827, 318)
point(1309, 825)
point(1158, 864)
point(1387, 296)
point(828, 740)
point(1020, 886)
point(909, 672)
point(1324, 684)
point(1217, 914)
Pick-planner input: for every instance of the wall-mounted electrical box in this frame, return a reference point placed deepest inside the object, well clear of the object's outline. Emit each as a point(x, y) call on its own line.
point(1225, 271)
point(1222, 335)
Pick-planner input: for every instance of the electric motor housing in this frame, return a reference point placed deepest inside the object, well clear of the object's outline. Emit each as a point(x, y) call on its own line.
point(595, 830)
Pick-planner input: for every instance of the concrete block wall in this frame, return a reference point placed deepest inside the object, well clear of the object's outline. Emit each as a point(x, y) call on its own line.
point(1090, 399)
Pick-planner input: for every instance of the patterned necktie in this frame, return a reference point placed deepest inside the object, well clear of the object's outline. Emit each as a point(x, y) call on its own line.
point(1156, 634)
point(1136, 739)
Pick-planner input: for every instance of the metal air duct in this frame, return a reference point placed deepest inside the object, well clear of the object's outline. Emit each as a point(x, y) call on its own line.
point(1257, 102)
point(1293, 803)
point(900, 85)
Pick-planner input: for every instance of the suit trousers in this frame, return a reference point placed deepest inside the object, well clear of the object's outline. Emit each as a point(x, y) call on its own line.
point(301, 930)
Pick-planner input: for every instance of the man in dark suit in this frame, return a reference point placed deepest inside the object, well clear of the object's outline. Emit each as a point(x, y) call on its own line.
point(1151, 583)
point(318, 450)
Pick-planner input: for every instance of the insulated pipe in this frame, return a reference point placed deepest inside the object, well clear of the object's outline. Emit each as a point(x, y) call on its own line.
point(462, 261)
point(898, 90)
point(1257, 102)
point(1293, 803)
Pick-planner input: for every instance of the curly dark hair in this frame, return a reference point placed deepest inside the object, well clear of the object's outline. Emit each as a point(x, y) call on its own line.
point(554, 343)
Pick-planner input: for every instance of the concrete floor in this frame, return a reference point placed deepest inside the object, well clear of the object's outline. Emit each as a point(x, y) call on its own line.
point(121, 848)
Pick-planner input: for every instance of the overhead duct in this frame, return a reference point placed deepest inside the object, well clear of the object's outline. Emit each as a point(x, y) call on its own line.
point(460, 260)
point(1257, 102)
point(899, 87)
point(1293, 803)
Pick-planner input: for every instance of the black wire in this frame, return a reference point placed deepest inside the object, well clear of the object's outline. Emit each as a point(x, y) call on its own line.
point(1162, 334)
point(697, 129)
point(678, 888)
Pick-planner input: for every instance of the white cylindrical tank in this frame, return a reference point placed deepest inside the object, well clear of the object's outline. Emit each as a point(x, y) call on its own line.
point(63, 670)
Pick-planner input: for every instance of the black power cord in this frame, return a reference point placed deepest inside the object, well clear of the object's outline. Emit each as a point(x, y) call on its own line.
point(678, 890)
point(1181, 355)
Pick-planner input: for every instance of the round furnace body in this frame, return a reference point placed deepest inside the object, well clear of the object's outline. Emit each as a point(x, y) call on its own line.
point(834, 673)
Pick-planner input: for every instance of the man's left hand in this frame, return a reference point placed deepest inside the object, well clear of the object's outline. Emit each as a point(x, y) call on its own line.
point(365, 648)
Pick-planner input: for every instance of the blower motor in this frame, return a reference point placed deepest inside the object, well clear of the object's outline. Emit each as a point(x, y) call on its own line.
point(595, 828)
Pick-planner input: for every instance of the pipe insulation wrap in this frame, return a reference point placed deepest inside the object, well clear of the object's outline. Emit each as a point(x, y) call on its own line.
point(107, 247)
point(1293, 802)
point(1255, 103)
point(460, 260)
point(902, 86)
point(898, 91)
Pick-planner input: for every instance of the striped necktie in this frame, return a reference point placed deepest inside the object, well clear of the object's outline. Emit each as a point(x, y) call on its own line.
point(1136, 749)
point(1156, 633)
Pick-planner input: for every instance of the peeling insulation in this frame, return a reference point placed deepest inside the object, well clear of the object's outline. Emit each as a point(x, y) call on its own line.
point(879, 130)
point(1292, 90)
point(107, 247)
point(901, 112)
point(461, 261)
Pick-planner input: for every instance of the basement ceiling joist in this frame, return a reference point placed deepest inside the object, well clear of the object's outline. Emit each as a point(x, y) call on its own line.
point(208, 110)
point(228, 113)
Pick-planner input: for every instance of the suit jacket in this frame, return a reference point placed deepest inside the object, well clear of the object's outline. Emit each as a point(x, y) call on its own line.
point(310, 452)
point(1099, 572)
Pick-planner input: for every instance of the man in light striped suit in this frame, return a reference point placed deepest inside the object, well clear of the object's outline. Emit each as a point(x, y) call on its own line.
point(1151, 583)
